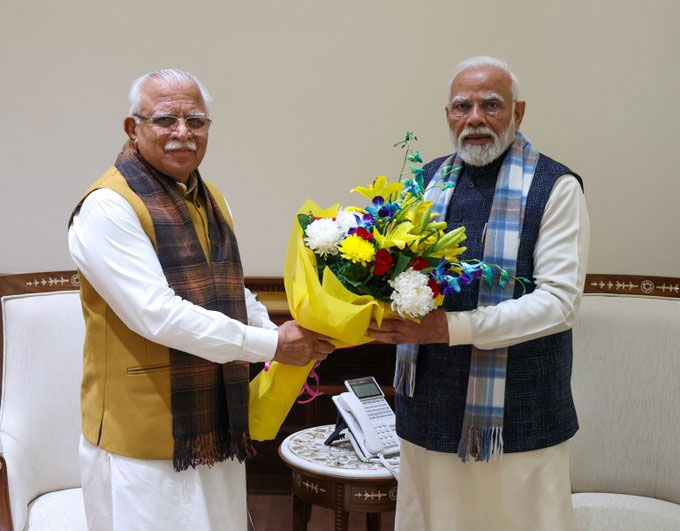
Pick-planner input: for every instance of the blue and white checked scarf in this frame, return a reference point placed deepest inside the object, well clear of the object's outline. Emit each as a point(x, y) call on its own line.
point(482, 435)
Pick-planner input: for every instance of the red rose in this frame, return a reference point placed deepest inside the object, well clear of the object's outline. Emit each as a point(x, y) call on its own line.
point(382, 262)
point(420, 263)
point(433, 287)
point(363, 233)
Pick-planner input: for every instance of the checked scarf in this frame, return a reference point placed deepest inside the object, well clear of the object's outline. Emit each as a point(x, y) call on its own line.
point(482, 434)
point(209, 400)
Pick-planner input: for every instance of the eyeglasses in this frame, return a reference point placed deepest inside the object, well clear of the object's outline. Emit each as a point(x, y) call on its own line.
point(491, 107)
point(195, 122)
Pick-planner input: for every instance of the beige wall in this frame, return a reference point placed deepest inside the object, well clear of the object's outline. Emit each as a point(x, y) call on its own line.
point(309, 97)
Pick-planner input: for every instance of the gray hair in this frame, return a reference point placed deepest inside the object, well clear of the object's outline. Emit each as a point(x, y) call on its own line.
point(170, 75)
point(484, 60)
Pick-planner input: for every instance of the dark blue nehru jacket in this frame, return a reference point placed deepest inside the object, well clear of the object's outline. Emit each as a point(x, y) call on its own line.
point(539, 410)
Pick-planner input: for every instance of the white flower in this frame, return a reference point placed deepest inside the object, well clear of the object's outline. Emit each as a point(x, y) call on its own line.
point(412, 297)
point(323, 236)
point(346, 220)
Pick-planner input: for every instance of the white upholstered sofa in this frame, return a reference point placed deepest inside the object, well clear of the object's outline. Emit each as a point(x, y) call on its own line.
point(42, 342)
point(626, 380)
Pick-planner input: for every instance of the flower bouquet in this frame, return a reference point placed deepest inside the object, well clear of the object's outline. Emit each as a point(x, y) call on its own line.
point(348, 266)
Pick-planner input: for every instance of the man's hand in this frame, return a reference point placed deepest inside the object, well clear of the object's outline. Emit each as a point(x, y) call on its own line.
point(433, 328)
point(298, 346)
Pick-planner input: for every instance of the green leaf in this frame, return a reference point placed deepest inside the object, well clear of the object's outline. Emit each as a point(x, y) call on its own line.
point(402, 265)
point(304, 220)
point(354, 273)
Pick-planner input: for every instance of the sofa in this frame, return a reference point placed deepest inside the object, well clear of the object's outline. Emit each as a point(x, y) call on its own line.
point(626, 381)
point(42, 341)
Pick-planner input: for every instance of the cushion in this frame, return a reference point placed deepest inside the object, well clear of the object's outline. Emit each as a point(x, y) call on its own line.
point(62, 510)
point(596, 511)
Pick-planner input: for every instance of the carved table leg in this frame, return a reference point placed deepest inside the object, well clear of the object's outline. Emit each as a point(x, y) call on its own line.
point(341, 516)
point(373, 521)
point(302, 511)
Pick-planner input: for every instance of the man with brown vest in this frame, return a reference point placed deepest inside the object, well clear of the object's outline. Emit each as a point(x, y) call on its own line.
point(170, 327)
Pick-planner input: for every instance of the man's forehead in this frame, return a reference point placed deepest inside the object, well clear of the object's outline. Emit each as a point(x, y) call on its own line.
point(159, 93)
point(482, 80)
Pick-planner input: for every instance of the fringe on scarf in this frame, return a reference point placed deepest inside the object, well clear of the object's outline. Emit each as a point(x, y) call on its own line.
point(210, 448)
point(482, 443)
point(404, 377)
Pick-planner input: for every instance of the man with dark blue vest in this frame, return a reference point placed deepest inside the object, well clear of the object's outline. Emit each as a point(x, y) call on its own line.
point(484, 406)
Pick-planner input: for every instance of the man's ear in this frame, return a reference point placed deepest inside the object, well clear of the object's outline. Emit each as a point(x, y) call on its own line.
point(520, 106)
point(130, 128)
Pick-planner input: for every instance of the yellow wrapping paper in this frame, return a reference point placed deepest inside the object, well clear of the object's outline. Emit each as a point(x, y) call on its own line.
point(326, 307)
point(272, 394)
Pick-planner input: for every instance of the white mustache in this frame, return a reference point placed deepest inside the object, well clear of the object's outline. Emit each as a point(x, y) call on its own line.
point(174, 145)
point(476, 131)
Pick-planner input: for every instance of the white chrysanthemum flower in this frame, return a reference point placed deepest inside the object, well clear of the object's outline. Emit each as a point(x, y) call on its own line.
point(323, 236)
point(346, 220)
point(412, 297)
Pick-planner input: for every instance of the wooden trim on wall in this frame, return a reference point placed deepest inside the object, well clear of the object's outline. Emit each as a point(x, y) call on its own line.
point(38, 282)
point(271, 289)
point(642, 285)
point(271, 292)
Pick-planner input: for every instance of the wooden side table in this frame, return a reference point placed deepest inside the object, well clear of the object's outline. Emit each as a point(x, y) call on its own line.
point(334, 477)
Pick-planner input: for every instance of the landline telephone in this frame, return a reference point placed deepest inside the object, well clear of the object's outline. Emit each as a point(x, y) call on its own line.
point(368, 417)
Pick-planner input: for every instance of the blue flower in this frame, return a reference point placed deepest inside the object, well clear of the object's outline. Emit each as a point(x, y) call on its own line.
point(366, 221)
point(453, 282)
point(380, 209)
point(413, 187)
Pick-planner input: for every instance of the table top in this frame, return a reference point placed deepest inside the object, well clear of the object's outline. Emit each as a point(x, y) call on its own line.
point(306, 450)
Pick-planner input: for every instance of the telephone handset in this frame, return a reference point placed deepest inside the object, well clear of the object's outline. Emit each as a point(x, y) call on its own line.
point(368, 417)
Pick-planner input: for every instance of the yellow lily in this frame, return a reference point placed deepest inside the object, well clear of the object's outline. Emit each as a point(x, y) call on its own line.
point(451, 254)
point(396, 236)
point(382, 187)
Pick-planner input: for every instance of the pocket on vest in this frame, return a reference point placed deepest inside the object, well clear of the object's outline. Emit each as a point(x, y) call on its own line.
point(135, 371)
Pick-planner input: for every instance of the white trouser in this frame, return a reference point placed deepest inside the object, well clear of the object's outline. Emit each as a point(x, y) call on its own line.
point(123, 494)
point(527, 491)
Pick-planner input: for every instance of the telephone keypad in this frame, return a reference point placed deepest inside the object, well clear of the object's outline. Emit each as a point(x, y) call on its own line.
point(386, 434)
point(382, 417)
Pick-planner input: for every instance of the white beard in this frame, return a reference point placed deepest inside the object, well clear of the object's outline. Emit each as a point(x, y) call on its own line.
point(481, 155)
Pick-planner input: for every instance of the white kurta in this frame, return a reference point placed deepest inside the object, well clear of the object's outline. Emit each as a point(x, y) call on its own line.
point(526, 491)
point(110, 248)
point(523, 491)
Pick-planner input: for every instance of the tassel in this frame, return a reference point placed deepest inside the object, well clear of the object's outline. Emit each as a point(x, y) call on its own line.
point(480, 443)
point(210, 448)
point(404, 377)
